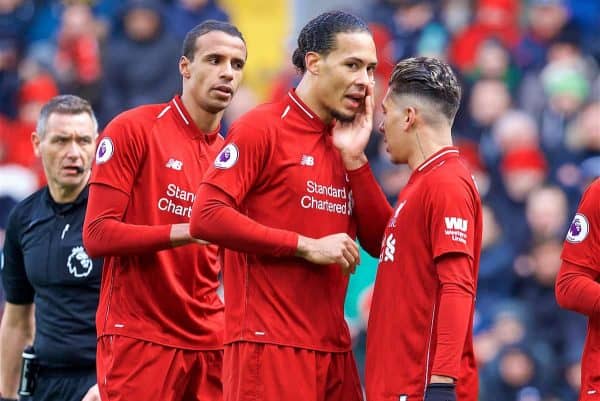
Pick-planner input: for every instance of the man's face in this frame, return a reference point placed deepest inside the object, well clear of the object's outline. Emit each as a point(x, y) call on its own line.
point(215, 73)
point(392, 128)
point(67, 149)
point(344, 74)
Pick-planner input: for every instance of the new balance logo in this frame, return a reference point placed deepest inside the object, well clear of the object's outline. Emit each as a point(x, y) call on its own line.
point(307, 160)
point(390, 248)
point(175, 164)
point(456, 223)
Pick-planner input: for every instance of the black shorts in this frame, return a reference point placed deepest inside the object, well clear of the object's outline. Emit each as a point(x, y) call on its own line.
point(62, 384)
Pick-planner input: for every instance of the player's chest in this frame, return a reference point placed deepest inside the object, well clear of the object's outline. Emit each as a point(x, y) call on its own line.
point(312, 166)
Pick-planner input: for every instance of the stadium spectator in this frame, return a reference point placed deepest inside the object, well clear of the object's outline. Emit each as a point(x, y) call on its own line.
point(183, 15)
point(151, 78)
point(149, 162)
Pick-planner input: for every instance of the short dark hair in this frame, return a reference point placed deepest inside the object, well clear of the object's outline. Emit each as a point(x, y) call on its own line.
point(189, 43)
point(318, 35)
point(63, 104)
point(430, 78)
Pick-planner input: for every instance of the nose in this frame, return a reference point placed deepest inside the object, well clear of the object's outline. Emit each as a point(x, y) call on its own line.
point(227, 71)
point(364, 77)
point(74, 150)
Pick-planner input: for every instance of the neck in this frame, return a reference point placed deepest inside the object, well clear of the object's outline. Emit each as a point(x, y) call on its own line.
point(428, 141)
point(306, 92)
point(206, 121)
point(63, 194)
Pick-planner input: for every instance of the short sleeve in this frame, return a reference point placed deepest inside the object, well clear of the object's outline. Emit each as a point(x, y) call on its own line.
point(452, 210)
point(118, 155)
point(582, 243)
point(17, 288)
point(241, 162)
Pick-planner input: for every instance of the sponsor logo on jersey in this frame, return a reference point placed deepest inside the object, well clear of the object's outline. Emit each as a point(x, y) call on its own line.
point(387, 253)
point(456, 229)
point(174, 164)
point(579, 229)
point(327, 198)
point(79, 263)
point(105, 150)
point(227, 157)
point(307, 160)
point(396, 213)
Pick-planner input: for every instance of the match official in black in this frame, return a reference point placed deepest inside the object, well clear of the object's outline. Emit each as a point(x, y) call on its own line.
point(46, 271)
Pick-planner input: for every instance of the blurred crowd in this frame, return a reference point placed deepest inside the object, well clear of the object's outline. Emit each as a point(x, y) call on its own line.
point(529, 127)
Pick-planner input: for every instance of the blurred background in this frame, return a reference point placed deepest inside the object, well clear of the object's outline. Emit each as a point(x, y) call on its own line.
point(529, 127)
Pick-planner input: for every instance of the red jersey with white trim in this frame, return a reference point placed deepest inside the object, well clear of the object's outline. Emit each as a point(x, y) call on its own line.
point(582, 247)
point(438, 212)
point(157, 156)
point(282, 170)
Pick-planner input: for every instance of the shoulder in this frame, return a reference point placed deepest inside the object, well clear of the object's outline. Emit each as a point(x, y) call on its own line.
point(23, 211)
point(263, 117)
point(452, 178)
point(137, 119)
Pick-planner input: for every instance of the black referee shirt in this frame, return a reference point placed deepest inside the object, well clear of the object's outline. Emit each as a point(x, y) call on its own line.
point(45, 263)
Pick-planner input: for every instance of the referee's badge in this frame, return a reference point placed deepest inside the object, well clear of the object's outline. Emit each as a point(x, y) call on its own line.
point(105, 150)
point(579, 229)
point(227, 157)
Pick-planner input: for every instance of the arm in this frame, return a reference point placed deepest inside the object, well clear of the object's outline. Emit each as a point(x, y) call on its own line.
point(214, 215)
point(104, 232)
point(16, 332)
point(457, 293)
point(576, 289)
point(371, 209)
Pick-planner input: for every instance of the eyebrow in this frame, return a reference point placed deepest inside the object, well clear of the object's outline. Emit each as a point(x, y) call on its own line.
point(359, 60)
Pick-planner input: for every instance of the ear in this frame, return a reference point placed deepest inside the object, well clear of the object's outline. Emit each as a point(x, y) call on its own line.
point(184, 67)
point(35, 141)
point(410, 118)
point(312, 61)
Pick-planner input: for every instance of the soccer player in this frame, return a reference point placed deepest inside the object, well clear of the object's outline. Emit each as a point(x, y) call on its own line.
point(577, 285)
point(46, 271)
point(419, 336)
point(160, 320)
point(278, 198)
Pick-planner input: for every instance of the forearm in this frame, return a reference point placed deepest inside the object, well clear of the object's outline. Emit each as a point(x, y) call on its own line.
point(577, 289)
point(215, 219)
point(105, 234)
point(457, 293)
point(13, 339)
point(371, 208)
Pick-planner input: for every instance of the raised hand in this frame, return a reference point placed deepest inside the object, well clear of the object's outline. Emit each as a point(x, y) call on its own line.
point(351, 138)
point(335, 248)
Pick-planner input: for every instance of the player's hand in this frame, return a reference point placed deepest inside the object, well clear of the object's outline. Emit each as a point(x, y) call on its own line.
point(93, 394)
point(180, 235)
point(334, 248)
point(440, 392)
point(352, 138)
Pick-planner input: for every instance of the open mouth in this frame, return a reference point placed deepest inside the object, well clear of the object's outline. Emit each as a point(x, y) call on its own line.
point(355, 100)
point(73, 170)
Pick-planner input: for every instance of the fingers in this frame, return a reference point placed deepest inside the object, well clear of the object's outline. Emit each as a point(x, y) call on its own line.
point(369, 102)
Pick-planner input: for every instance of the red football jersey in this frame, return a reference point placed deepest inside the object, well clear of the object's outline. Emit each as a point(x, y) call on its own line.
point(282, 170)
point(438, 212)
point(582, 247)
point(157, 156)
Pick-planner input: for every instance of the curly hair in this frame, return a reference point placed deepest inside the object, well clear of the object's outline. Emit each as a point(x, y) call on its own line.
point(318, 35)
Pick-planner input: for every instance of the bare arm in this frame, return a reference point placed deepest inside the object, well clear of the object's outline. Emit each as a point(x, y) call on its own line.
point(16, 332)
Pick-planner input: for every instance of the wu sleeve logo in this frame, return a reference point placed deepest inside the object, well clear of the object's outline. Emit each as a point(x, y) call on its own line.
point(227, 157)
point(456, 229)
point(579, 229)
point(105, 150)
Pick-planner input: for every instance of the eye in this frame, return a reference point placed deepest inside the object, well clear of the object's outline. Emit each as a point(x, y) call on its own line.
point(353, 66)
point(238, 65)
point(213, 60)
